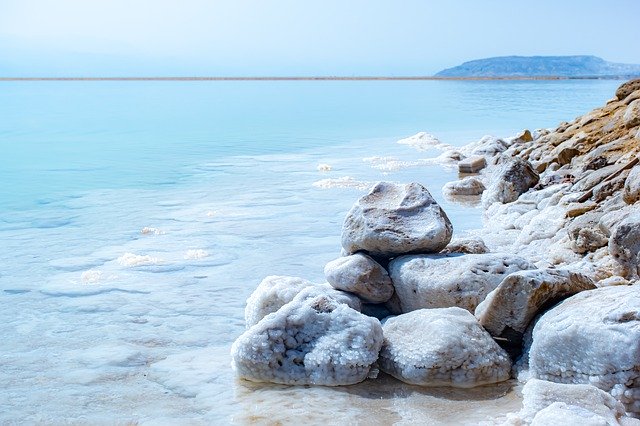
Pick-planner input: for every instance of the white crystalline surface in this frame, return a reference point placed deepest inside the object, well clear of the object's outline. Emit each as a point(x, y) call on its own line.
point(313, 340)
point(592, 337)
point(440, 281)
point(442, 347)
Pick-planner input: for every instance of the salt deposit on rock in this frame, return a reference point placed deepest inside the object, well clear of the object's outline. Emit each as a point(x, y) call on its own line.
point(423, 141)
point(469, 185)
point(441, 281)
point(508, 310)
point(585, 233)
point(394, 219)
point(472, 164)
point(275, 291)
point(466, 245)
point(314, 340)
point(592, 337)
point(489, 145)
point(544, 402)
point(441, 347)
point(624, 246)
point(361, 275)
point(513, 178)
point(632, 186)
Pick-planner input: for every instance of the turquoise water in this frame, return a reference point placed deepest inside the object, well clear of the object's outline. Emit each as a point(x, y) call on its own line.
point(136, 217)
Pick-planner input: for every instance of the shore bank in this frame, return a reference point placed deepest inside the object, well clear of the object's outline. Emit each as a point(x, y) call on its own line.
point(544, 292)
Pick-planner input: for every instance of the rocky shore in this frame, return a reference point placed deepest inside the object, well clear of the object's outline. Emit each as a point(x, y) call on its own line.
point(546, 292)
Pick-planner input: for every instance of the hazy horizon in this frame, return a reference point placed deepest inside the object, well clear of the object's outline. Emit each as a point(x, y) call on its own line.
point(47, 38)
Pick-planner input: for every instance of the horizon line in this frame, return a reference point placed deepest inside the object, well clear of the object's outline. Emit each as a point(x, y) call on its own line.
point(312, 78)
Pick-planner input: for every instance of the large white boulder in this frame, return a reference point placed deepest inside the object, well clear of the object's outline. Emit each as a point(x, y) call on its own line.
point(548, 403)
point(445, 280)
point(508, 310)
point(624, 246)
point(361, 275)
point(277, 290)
point(592, 337)
point(309, 341)
point(395, 219)
point(442, 347)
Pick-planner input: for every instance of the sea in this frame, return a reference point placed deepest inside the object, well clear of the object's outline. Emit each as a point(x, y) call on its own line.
point(136, 217)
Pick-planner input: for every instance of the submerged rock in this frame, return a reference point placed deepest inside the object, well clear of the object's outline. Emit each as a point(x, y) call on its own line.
point(470, 185)
point(394, 219)
point(441, 347)
point(514, 177)
point(624, 245)
point(472, 164)
point(592, 337)
point(275, 291)
point(548, 403)
point(361, 275)
point(442, 281)
point(508, 310)
point(309, 341)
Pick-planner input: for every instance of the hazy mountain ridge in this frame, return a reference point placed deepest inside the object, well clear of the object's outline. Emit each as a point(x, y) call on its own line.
point(536, 66)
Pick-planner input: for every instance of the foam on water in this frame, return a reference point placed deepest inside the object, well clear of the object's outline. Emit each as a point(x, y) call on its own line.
point(125, 284)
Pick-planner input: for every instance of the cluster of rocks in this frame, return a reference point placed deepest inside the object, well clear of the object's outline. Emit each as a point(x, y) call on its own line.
point(554, 302)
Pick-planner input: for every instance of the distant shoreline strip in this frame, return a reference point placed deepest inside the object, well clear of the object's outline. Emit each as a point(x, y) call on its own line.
point(316, 78)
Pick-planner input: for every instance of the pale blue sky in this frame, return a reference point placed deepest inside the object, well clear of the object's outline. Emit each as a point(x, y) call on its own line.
point(296, 37)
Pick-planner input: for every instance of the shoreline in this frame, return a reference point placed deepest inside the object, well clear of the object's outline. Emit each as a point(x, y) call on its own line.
point(318, 78)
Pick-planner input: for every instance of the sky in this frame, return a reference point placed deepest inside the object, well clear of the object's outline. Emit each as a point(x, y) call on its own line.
point(298, 37)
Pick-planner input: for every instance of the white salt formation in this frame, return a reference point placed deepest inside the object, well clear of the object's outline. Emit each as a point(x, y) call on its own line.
point(445, 280)
point(309, 341)
point(361, 275)
point(395, 219)
point(442, 347)
point(467, 186)
point(514, 177)
point(624, 246)
point(592, 337)
point(508, 310)
point(466, 245)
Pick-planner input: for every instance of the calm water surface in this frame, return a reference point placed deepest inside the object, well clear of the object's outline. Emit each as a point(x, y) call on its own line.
point(136, 218)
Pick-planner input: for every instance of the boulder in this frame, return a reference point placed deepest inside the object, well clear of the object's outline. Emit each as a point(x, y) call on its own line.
point(309, 341)
point(592, 338)
point(275, 291)
point(472, 164)
point(523, 136)
point(514, 177)
point(508, 310)
point(445, 280)
point(631, 192)
point(624, 246)
point(545, 401)
point(466, 245)
point(627, 88)
point(394, 219)
point(631, 117)
point(470, 185)
point(441, 347)
point(585, 233)
point(361, 275)
point(490, 145)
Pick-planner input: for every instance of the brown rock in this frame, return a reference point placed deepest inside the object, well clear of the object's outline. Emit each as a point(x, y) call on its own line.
point(472, 164)
point(627, 88)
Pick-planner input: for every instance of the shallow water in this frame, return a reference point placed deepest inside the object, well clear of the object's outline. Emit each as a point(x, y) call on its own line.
point(136, 218)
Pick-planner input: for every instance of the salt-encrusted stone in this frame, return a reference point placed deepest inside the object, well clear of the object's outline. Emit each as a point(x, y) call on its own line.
point(466, 245)
point(470, 185)
point(490, 145)
point(544, 401)
point(472, 164)
point(275, 291)
point(631, 192)
point(592, 337)
point(315, 340)
point(361, 275)
point(442, 281)
point(508, 310)
point(514, 177)
point(578, 209)
point(585, 233)
point(395, 219)
point(441, 347)
point(624, 246)
point(631, 117)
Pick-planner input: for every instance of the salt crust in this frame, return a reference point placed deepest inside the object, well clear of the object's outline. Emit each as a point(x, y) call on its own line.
point(275, 291)
point(445, 280)
point(361, 275)
point(442, 347)
point(592, 337)
point(315, 340)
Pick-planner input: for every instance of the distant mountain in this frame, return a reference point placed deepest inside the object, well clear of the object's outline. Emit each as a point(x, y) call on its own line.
point(540, 66)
